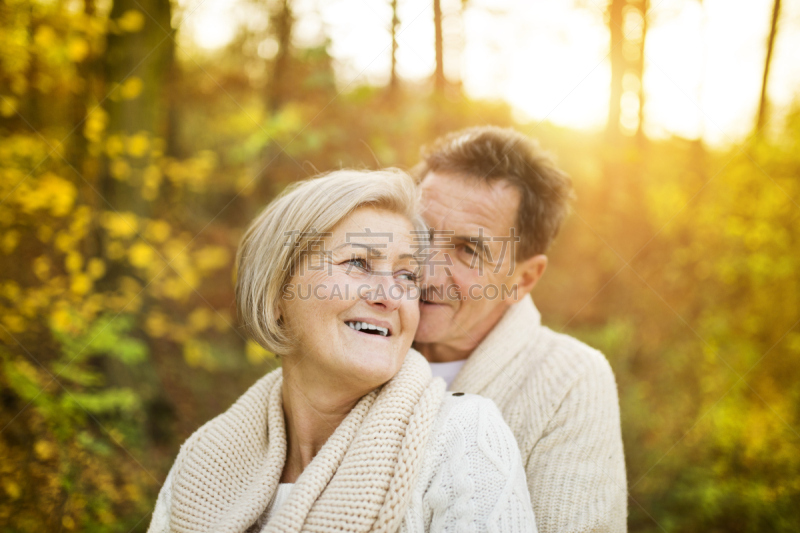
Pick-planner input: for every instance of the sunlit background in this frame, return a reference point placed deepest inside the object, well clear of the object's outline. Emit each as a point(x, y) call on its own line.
point(138, 138)
point(703, 59)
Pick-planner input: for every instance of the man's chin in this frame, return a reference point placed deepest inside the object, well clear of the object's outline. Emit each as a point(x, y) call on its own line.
point(435, 320)
point(431, 332)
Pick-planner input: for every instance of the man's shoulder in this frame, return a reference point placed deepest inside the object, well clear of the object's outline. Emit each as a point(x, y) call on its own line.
point(565, 377)
point(576, 354)
point(553, 367)
point(564, 358)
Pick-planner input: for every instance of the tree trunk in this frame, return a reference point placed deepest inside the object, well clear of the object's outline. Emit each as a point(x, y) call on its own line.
point(615, 22)
point(137, 60)
point(438, 76)
point(762, 104)
point(393, 81)
point(644, 6)
point(278, 87)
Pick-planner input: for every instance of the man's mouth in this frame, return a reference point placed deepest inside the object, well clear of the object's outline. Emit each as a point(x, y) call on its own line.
point(368, 328)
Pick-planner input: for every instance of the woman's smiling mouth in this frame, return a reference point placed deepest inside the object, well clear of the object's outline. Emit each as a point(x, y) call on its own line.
point(370, 328)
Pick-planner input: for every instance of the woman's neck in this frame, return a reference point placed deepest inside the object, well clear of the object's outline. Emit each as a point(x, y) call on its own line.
point(312, 411)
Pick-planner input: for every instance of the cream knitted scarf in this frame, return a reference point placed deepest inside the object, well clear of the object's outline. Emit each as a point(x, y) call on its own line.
point(360, 481)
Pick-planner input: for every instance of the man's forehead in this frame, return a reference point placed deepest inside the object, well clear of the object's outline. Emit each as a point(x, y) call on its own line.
point(463, 186)
point(471, 213)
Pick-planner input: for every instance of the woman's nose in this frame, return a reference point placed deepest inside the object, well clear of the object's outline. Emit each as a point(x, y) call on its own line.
point(385, 292)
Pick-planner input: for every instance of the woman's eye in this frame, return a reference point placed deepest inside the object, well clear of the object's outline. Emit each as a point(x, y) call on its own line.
point(358, 263)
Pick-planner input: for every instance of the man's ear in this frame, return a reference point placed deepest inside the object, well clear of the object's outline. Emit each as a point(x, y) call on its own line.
point(528, 273)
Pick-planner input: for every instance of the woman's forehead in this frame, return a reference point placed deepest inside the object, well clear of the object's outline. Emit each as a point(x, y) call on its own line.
point(373, 227)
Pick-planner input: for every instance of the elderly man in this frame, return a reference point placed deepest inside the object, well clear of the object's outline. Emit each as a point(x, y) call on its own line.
point(494, 202)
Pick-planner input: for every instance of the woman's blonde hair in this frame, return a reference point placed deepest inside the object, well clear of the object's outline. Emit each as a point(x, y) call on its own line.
point(293, 223)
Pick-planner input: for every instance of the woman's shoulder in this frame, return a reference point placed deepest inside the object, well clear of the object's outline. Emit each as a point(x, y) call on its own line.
point(473, 478)
point(459, 407)
point(473, 424)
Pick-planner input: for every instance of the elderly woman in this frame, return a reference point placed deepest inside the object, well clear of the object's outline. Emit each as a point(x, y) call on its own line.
point(352, 433)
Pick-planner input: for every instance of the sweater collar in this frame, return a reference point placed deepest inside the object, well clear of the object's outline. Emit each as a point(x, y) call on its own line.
point(227, 472)
point(518, 326)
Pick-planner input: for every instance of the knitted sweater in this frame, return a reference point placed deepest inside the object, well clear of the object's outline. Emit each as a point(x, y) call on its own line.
point(469, 478)
point(559, 397)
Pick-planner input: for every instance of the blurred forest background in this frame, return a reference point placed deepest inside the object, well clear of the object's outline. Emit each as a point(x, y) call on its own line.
point(132, 159)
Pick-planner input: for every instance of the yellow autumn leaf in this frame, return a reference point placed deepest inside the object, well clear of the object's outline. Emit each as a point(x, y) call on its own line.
point(115, 250)
point(151, 180)
point(120, 225)
point(256, 353)
point(8, 106)
point(140, 254)
point(95, 124)
point(51, 192)
point(96, 268)
point(211, 258)
point(175, 288)
point(157, 231)
point(199, 319)
point(120, 169)
point(131, 88)
point(64, 241)
point(156, 324)
point(14, 323)
point(12, 488)
point(114, 146)
point(78, 49)
point(45, 36)
point(41, 267)
point(44, 450)
point(11, 290)
point(62, 194)
point(138, 144)
point(73, 262)
point(10, 241)
point(131, 21)
point(81, 284)
point(44, 233)
point(198, 354)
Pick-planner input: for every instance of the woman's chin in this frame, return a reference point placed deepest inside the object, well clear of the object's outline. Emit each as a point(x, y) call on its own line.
point(374, 367)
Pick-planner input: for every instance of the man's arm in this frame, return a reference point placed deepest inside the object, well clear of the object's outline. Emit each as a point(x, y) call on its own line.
point(576, 471)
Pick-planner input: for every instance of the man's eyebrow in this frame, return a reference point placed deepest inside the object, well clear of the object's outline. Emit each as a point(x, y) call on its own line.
point(479, 240)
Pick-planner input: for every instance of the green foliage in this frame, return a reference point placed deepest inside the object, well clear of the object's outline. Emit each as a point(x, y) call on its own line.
point(117, 240)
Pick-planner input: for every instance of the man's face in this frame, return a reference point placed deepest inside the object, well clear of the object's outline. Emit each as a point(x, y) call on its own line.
point(472, 261)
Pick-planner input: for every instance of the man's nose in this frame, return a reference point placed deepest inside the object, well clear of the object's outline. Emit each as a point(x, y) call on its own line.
point(437, 270)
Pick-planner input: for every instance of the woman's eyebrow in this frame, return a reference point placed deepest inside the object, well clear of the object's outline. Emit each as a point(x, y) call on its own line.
point(374, 250)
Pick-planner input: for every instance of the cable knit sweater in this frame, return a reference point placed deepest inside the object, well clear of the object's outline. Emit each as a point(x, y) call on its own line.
point(559, 397)
point(470, 478)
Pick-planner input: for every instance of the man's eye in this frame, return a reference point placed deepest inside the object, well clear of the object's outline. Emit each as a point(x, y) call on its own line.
point(408, 276)
point(469, 249)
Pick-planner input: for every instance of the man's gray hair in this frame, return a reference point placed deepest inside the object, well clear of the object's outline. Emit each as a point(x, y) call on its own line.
point(490, 153)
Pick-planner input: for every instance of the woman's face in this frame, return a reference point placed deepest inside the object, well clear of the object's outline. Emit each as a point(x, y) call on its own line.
point(352, 304)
